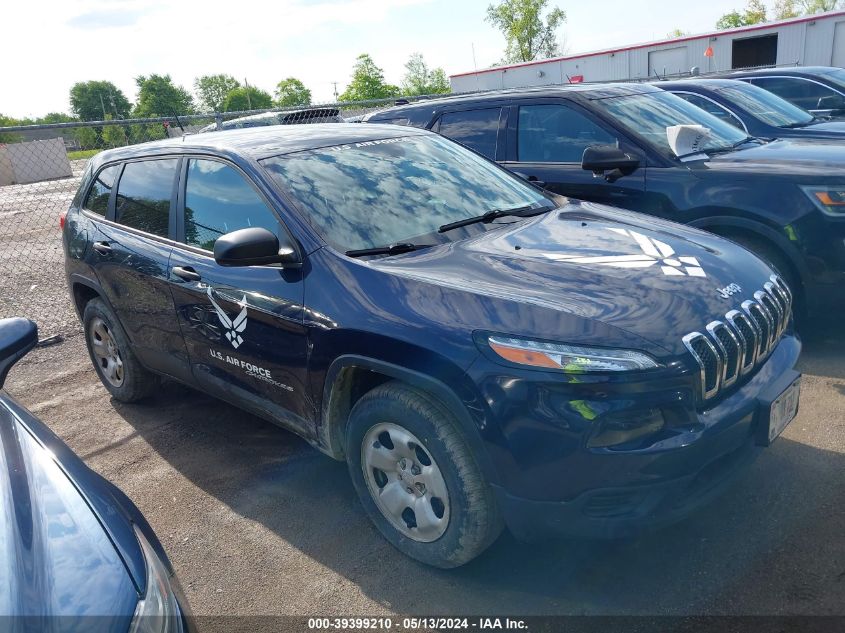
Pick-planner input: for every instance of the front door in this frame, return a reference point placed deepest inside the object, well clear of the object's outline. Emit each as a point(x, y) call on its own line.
point(243, 327)
point(546, 143)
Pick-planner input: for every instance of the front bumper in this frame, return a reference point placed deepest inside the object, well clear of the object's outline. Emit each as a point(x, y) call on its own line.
point(552, 484)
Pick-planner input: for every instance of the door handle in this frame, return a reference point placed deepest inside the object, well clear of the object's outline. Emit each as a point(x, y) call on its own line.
point(103, 248)
point(187, 273)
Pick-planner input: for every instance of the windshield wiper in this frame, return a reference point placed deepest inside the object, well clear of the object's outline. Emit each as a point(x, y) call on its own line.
point(798, 124)
point(732, 147)
point(392, 249)
point(489, 216)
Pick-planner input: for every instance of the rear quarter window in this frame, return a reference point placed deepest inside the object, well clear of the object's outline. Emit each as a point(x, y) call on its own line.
point(97, 200)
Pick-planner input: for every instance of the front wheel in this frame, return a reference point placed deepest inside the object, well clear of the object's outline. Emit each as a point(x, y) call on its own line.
point(417, 477)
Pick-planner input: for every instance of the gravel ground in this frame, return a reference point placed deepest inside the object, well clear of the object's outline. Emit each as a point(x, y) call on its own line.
point(258, 522)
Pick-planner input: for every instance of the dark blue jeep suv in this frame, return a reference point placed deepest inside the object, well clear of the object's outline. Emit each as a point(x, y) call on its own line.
point(477, 350)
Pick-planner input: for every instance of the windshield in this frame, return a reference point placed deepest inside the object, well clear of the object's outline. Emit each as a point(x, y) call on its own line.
point(395, 190)
point(649, 114)
point(765, 105)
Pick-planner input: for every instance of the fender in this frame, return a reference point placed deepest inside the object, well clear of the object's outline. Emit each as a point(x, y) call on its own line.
point(77, 279)
point(791, 253)
point(330, 432)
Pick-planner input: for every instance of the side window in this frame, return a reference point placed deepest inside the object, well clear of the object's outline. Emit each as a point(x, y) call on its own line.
point(218, 200)
point(805, 94)
point(143, 195)
point(98, 196)
point(556, 134)
point(477, 129)
point(713, 108)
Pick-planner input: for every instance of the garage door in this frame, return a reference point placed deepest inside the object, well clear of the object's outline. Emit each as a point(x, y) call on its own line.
point(668, 62)
point(838, 57)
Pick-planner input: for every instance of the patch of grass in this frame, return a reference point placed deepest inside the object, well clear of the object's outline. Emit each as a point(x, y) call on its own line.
point(82, 153)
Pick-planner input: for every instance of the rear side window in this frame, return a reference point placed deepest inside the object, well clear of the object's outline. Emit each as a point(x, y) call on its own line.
point(98, 196)
point(801, 92)
point(143, 195)
point(557, 134)
point(477, 129)
point(218, 200)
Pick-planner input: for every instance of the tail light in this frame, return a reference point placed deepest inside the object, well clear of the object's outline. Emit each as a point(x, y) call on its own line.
point(62, 220)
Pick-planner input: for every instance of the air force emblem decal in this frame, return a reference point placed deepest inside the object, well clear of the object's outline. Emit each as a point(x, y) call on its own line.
point(653, 252)
point(232, 327)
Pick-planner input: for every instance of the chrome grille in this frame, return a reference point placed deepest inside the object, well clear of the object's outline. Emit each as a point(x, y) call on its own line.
point(735, 346)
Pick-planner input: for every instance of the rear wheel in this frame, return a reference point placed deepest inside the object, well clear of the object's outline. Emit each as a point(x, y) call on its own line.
point(117, 367)
point(417, 477)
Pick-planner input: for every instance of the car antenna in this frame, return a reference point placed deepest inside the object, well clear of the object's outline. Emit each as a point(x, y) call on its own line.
point(178, 122)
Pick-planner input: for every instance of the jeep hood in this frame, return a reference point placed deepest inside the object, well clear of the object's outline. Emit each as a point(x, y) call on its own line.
point(654, 279)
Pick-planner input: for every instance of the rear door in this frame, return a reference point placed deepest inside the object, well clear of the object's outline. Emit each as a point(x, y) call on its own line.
point(130, 254)
point(243, 326)
point(546, 140)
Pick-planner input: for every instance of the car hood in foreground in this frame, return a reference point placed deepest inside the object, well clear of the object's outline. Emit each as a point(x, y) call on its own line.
point(56, 559)
point(652, 279)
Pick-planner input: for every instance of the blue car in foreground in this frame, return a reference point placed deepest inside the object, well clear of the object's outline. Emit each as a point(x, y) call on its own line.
point(475, 349)
point(75, 552)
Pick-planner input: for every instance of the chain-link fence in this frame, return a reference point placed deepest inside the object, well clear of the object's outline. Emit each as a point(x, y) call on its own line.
point(40, 170)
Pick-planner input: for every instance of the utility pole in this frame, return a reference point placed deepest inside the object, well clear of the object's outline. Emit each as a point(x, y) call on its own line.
point(248, 100)
point(334, 83)
point(103, 106)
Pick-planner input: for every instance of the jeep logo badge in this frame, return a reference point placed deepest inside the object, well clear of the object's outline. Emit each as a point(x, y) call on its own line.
point(729, 290)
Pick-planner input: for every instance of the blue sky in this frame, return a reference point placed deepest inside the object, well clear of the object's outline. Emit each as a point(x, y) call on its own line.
point(55, 43)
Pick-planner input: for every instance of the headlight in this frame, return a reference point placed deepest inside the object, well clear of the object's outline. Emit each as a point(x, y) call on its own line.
point(576, 359)
point(157, 611)
point(830, 200)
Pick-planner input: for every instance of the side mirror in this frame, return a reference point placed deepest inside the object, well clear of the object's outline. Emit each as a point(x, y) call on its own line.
point(17, 337)
point(609, 161)
point(255, 246)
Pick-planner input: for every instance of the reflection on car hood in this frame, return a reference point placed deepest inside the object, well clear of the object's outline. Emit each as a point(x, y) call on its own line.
point(816, 158)
point(658, 280)
point(55, 557)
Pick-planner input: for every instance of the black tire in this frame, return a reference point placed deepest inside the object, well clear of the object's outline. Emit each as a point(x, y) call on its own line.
point(781, 265)
point(474, 521)
point(136, 382)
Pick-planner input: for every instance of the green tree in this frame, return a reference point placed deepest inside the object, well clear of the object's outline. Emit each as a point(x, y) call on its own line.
point(212, 90)
point(528, 35)
point(94, 100)
point(785, 9)
point(247, 98)
point(819, 6)
point(114, 136)
point(755, 13)
point(367, 82)
point(421, 80)
point(292, 92)
point(8, 137)
point(159, 96)
point(676, 33)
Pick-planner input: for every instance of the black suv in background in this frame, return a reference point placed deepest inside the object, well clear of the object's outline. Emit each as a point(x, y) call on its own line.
point(784, 200)
point(818, 89)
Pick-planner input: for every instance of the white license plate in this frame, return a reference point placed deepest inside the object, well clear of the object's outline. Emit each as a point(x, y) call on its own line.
point(783, 409)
